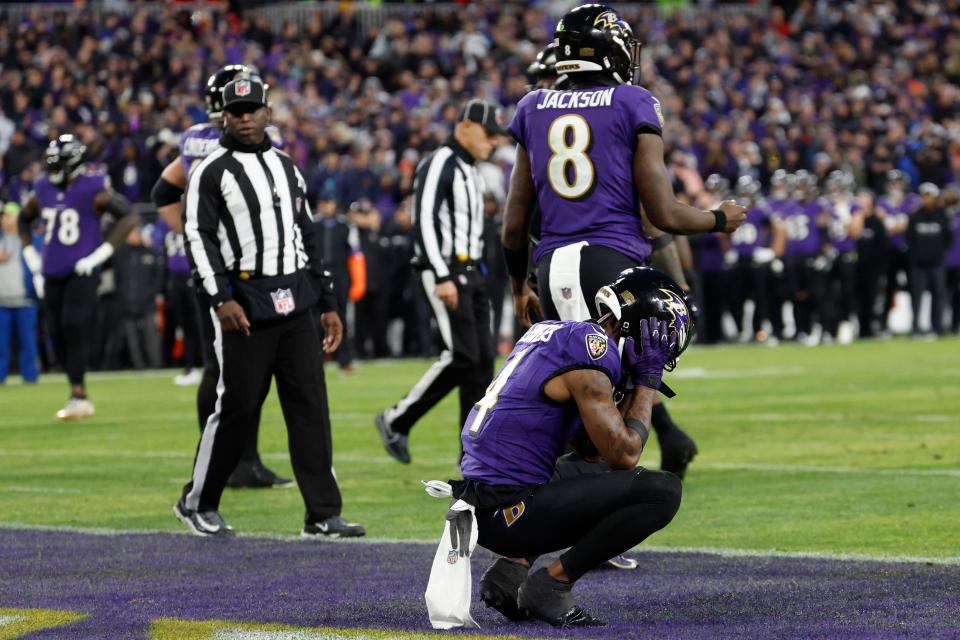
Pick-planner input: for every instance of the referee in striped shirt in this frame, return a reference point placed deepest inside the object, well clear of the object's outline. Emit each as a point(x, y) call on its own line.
point(448, 229)
point(250, 245)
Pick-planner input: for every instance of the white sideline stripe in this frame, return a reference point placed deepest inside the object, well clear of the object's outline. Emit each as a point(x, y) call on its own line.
point(725, 552)
point(809, 468)
point(25, 489)
point(764, 372)
point(717, 466)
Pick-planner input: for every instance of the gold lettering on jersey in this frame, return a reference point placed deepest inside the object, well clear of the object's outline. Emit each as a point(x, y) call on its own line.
point(575, 99)
point(513, 513)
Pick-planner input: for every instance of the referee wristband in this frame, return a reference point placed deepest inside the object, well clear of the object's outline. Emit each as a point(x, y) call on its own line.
point(720, 220)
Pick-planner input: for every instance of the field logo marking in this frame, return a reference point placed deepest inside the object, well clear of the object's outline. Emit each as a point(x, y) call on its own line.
point(16, 623)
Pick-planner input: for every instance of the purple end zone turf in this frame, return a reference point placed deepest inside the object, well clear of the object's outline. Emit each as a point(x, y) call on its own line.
point(125, 581)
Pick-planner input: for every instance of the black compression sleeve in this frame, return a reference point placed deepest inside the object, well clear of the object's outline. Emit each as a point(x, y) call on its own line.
point(661, 241)
point(118, 205)
point(165, 193)
point(640, 428)
point(516, 262)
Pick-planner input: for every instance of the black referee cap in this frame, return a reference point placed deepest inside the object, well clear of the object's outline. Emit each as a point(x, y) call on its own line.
point(246, 89)
point(483, 113)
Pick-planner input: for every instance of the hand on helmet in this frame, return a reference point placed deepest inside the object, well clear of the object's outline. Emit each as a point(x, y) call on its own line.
point(645, 357)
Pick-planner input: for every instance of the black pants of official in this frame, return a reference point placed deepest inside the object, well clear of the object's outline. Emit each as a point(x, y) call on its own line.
point(597, 515)
point(932, 278)
point(290, 350)
point(467, 357)
point(207, 392)
point(181, 307)
point(70, 304)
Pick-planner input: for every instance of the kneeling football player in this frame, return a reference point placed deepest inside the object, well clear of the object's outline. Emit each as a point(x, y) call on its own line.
point(556, 386)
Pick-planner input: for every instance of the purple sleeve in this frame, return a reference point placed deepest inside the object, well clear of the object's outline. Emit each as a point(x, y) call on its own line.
point(518, 125)
point(641, 110)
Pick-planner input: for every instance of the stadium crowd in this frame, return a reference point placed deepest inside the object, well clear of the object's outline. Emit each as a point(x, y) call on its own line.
point(852, 102)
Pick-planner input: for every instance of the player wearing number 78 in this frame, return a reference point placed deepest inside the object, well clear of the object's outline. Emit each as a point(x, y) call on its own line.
point(69, 200)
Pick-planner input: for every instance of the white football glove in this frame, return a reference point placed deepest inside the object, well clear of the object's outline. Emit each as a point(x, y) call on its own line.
point(35, 264)
point(85, 266)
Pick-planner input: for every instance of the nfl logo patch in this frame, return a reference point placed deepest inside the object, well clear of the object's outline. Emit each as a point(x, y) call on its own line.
point(566, 293)
point(596, 345)
point(452, 556)
point(283, 301)
point(243, 87)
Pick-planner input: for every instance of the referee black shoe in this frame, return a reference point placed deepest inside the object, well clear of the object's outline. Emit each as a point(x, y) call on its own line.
point(499, 586)
point(551, 600)
point(202, 523)
point(677, 451)
point(333, 527)
point(395, 443)
point(254, 475)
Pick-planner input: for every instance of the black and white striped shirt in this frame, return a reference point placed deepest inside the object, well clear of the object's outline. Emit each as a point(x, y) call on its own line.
point(246, 213)
point(448, 209)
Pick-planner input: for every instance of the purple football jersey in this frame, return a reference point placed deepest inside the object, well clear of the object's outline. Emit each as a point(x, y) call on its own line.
point(515, 434)
point(581, 144)
point(709, 253)
point(840, 215)
point(71, 227)
point(800, 221)
point(754, 232)
point(897, 214)
point(173, 249)
point(200, 140)
point(953, 256)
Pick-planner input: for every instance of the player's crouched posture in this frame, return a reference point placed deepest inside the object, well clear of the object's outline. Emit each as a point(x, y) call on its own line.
point(557, 386)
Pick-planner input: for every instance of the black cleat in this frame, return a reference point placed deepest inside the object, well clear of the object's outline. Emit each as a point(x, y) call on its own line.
point(395, 443)
point(677, 451)
point(208, 524)
point(499, 586)
point(333, 527)
point(551, 600)
point(254, 475)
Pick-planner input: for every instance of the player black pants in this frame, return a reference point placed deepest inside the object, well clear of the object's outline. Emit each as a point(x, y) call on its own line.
point(290, 350)
point(207, 392)
point(569, 278)
point(953, 297)
point(807, 287)
point(898, 262)
point(598, 516)
point(841, 292)
point(70, 303)
point(868, 280)
point(749, 281)
point(930, 278)
point(467, 357)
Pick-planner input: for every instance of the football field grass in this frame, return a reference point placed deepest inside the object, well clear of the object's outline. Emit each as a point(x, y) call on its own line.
point(834, 450)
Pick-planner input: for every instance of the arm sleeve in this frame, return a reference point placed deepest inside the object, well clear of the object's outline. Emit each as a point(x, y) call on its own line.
point(430, 190)
point(322, 280)
point(201, 215)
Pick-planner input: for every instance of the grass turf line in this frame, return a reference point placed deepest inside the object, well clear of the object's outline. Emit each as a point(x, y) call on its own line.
point(872, 405)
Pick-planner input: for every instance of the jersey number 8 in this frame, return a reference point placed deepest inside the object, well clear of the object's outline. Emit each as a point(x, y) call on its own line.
point(574, 128)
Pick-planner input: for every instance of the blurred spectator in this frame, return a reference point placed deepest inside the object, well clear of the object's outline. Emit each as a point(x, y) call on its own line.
point(138, 271)
point(871, 266)
point(338, 240)
point(18, 309)
point(951, 201)
point(929, 236)
point(372, 308)
point(406, 300)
